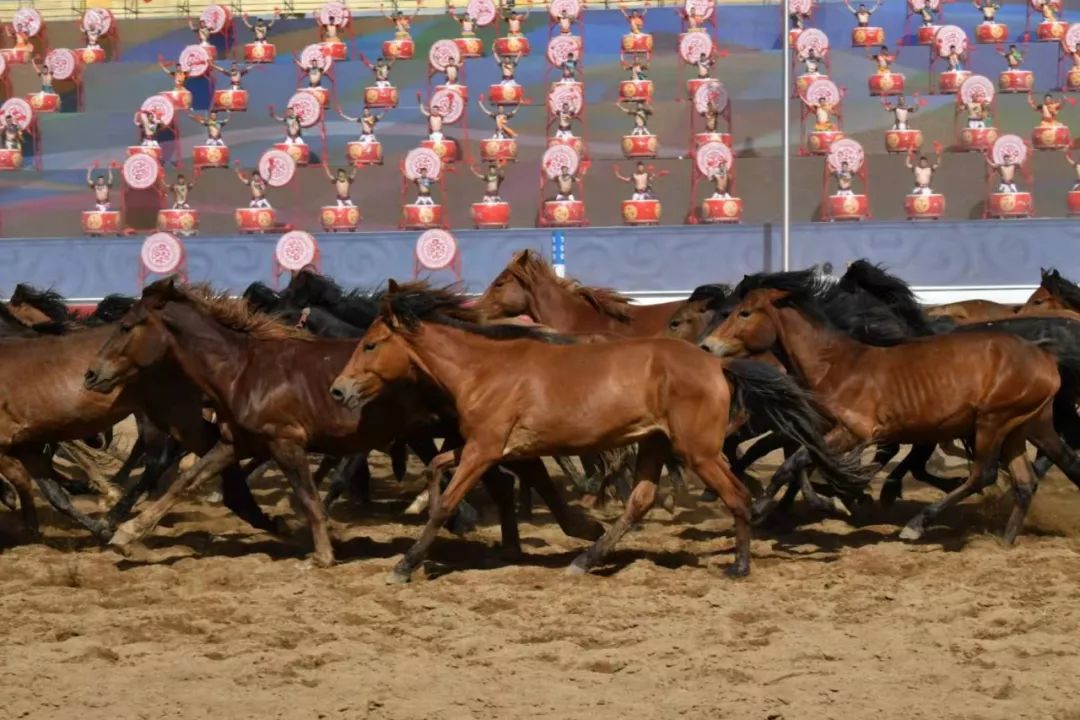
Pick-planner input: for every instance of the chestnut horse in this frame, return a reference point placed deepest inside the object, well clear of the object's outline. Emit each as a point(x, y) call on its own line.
point(514, 389)
point(994, 388)
point(529, 286)
point(268, 384)
point(1054, 294)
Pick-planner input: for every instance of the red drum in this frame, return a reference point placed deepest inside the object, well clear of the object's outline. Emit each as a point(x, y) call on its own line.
point(11, 159)
point(339, 219)
point(821, 140)
point(1052, 31)
point(421, 217)
point(255, 220)
point(804, 81)
point(867, 37)
point(489, 216)
point(154, 152)
point(300, 153)
point(925, 35)
point(924, 207)
point(512, 45)
point(705, 137)
point(263, 52)
point(211, 51)
point(321, 93)
point(101, 222)
point(505, 94)
point(1016, 81)
point(901, 141)
point(364, 153)
point(978, 139)
point(793, 36)
point(16, 56)
point(890, 83)
point(234, 100)
point(447, 149)
point(44, 102)
point(636, 90)
point(89, 56)
point(641, 212)
point(564, 213)
point(179, 98)
point(637, 43)
point(380, 97)
point(571, 142)
point(183, 222)
point(336, 50)
point(991, 33)
point(949, 82)
point(848, 207)
point(1055, 137)
point(462, 90)
point(1072, 202)
point(211, 156)
point(1072, 80)
point(639, 146)
point(498, 150)
point(721, 210)
point(1010, 205)
point(469, 47)
point(399, 49)
point(693, 84)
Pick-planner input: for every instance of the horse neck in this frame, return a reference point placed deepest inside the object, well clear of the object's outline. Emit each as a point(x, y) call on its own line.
point(813, 350)
point(445, 354)
point(559, 307)
point(211, 355)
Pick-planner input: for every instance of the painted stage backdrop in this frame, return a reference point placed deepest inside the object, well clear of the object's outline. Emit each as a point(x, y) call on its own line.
point(48, 202)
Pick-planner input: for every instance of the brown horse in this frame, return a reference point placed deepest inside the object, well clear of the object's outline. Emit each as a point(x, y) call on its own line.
point(529, 286)
point(513, 387)
point(1055, 295)
point(972, 311)
point(268, 384)
point(994, 388)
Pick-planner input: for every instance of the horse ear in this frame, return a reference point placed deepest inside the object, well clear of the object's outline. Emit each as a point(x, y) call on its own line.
point(386, 309)
point(392, 286)
point(524, 257)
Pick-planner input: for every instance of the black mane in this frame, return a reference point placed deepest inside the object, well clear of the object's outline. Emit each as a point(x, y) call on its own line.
point(12, 327)
point(864, 278)
point(1065, 290)
point(49, 302)
point(713, 295)
point(110, 310)
point(309, 289)
point(261, 297)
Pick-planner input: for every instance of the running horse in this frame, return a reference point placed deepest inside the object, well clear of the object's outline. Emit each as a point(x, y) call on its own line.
point(512, 387)
point(989, 387)
point(1054, 294)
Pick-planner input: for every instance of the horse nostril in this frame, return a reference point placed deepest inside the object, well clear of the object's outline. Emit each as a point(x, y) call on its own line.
point(705, 347)
point(90, 376)
point(337, 394)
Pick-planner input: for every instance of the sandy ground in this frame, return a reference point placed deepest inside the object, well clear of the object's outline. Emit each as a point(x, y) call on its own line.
point(211, 619)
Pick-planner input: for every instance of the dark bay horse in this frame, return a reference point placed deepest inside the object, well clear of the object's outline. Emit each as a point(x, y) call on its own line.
point(1054, 294)
point(513, 388)
point(268, 384)
point(994, 388)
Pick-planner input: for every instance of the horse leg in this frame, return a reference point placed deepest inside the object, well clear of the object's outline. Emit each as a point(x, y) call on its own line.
point(893, 487)
point(473, 461)
point(157, 464)
point(1014, 453)
point(84, 458)
point(40, 467)
point(525, 505)
point(500, 486)
point(328, 463)
point(988, 438)
point(1046, 438)
point(783, 477)
point(566, 464)
point(572, 521)
point(399, 460)
point(236, 495)
point(209, 465)
point(12, 469)
point(652, 452)
point(136, 456)
point(8, 496)
point(292, 460)
point(765, 445)
point(736, 497)
point(347, 469)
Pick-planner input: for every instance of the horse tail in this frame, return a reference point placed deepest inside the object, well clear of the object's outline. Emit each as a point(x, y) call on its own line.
point(768, 395)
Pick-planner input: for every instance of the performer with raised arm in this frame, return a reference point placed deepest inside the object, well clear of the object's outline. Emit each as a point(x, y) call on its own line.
point(844, 177)
point(202, 32)
point(955, 59)
point(101, 185)
point(493, 179)
point(213, 126)
point(824, 114)
point(900, 112)
point(721, 181)
point(1046, 7)
point(927, 15)
point(811, 63)
point(381, 68)
point(988, 8)
point(501, 118)
point(1013, 57)
point(257, 184)
point(712, 117)
point(423, 188)
point(235, 73)
point(508, 67)
point(92, 35)
point(179, 190)
point(452, 69)
point(465, 20)
point(569, 68)
point(22, 39)
point(1076, 168)
point(368, 120)
point(313, 69)
point(293, 128)
point(342, 181)
point(328, 33)
point(435, 121)
point(635, 17)
point(564, 183)
point(402, 22)
point(1006, 171)
point(1048, 110)
point(514, 18)
point(695, 22)
point(978, 112)
point(564, 118)
point(640, 112)
point(177, 73)
point(148, 129)
point(636, 66)
point(45, 73)
point(566, 22)
point(260, 28)
point(704, 65)
point(641, 178)
point(884, 60)
point(923, 171)
point(13, 134)
point(862, 13)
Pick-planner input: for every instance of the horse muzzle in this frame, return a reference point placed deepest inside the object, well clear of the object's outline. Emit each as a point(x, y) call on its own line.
point(720, 348)
point(95, 381)
point(349, 393)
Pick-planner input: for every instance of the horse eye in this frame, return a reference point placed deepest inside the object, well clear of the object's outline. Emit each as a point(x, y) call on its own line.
point(368, 347)
point(744, 314)
point(674, 324)
point(125, 328)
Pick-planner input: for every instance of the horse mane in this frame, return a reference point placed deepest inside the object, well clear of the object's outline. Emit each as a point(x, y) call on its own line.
point(1056, 285)
point(17, 328)
point(416, 302)
point(308, 287)
point(110, 310)
point(713, 295)
point(235, 314)
point(528, 265)
point(862, 276)
point(261, 297)
point(49, 301)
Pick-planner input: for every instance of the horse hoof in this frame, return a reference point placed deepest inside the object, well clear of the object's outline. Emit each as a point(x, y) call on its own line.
point(323, 560)
point(511, 554)
point(577, 568)
point(735, 571)
point(418, 505)
point(840, 508)
point(397, 577)
point(708, 495)
point(911, 532)
point(123, 537)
